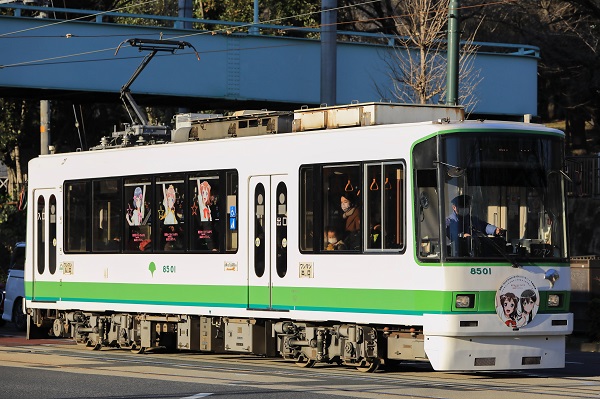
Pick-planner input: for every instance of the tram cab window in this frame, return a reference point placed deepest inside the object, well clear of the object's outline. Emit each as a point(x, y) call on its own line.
point(512, 192)
point(426, 200)
point(170, 194)
point(138, 214)
point(205, 212)
point(77, 211)
point(428, 215)
point(106, 215)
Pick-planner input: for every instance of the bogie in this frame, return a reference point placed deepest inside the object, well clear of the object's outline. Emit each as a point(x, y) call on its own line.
point(353, 345)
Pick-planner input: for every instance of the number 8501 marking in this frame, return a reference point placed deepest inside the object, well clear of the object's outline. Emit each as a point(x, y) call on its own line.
point(481, 270)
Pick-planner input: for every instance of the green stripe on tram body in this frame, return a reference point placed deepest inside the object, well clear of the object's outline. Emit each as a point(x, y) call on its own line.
point(399, 302)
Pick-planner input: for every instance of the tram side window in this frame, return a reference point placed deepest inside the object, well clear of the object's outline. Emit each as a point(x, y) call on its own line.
point(77, 211)
point(342, 204)
point(170, 195)
point(138, 214)
point(384, 208)
point(307, 190)
point(106, 211)
point(204, 212)
point(232, 211)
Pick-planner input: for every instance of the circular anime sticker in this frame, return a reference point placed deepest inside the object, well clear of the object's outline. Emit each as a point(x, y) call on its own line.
point(517, 301)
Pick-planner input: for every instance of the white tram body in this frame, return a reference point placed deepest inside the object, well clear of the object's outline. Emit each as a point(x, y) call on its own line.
point(128, 247)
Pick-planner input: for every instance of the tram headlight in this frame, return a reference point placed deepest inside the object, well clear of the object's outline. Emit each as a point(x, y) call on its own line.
point(554, 300)
point(465, 301)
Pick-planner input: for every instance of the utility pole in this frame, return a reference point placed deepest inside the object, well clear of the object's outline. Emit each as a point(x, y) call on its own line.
point(453, 53)
point(254, 28)
point(328, 52)
point(44, 115)
point(185, 11)
point(44, 126)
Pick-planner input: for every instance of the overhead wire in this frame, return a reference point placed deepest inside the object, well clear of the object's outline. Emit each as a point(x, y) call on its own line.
point(45, 61)
point(250, 24)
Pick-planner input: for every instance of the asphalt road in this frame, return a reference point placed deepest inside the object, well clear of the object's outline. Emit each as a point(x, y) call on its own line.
point(57, 368)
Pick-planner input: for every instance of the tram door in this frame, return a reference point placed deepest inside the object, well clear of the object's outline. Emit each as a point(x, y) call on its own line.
point(267, 246)
point(44, 241)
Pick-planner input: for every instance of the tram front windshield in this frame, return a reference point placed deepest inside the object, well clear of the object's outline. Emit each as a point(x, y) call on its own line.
point(504, 196)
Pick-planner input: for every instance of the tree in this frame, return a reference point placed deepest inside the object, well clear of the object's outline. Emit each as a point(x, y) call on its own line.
point(14, 121)
point(567, 33)
point(417, 66)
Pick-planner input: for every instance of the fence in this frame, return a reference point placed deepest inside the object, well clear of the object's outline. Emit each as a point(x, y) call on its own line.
point(584, 172)
point(3, 177)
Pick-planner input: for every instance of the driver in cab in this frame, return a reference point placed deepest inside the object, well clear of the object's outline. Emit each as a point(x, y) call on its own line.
point(461, 224)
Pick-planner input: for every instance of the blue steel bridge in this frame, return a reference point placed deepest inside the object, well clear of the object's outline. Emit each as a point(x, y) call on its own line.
point(241, 66)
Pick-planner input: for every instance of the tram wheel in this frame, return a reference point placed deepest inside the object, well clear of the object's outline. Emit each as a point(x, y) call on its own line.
point(368, 365)
point(305, 362)
point(138, 350)
point(93, 345)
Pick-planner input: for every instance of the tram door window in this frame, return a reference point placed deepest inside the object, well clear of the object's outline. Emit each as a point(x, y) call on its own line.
point(281, 229)
point(342, 204)
point(138, 214)
point(260, 244)
point(384, 209)
point(204, 213)
point(106, 211)
point(77, 211)
point(170, 194)
point(44, 242)
point(41, 234)
point(52, 235)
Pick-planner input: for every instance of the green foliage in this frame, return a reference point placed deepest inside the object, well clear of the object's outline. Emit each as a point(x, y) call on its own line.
point(291, 12)
point(297, 13)
point(161, 7)
point(225, 10)
point(14, 115)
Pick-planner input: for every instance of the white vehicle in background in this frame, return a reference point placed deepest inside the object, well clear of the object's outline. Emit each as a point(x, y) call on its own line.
point(15, 289)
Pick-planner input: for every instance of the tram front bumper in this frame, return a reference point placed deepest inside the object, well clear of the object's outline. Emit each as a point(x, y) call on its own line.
point(484, 343)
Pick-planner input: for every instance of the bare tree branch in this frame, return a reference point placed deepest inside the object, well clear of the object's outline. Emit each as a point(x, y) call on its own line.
point(417, 66)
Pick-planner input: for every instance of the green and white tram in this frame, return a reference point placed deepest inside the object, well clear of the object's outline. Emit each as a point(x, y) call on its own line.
point(407, 234)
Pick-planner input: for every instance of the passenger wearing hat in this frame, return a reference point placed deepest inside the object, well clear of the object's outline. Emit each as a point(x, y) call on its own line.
point(461, 224)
